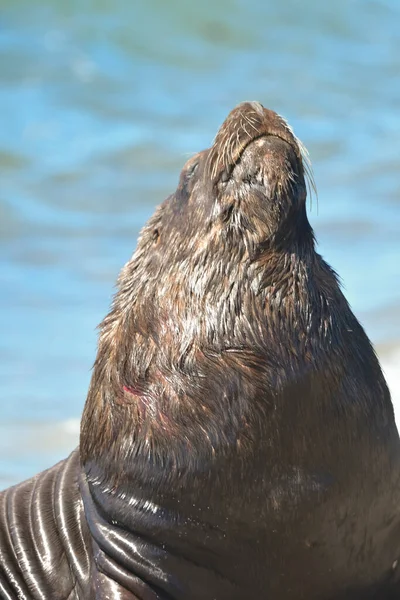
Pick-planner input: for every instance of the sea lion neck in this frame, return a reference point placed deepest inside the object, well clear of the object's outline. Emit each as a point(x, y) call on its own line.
point(166, 401)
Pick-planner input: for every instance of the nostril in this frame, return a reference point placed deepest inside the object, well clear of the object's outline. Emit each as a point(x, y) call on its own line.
point(224, 176)
point(252, 177)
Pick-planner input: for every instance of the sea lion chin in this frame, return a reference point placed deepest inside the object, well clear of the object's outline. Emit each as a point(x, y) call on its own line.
point(238, 439)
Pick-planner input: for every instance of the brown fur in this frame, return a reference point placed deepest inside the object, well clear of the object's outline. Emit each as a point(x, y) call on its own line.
point(223, 303)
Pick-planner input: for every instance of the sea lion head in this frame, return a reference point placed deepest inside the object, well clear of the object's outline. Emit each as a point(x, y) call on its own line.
point(203, 323)
point(247, 192)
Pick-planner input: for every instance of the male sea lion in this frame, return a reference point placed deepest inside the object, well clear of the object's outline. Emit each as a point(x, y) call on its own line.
point(238, 440)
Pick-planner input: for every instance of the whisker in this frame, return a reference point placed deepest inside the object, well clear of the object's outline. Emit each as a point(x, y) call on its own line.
point(250, 123)
point(308, 171)
point(230, 150)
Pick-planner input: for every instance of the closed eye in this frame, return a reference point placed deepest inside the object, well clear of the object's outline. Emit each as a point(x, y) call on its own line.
point(191, 171)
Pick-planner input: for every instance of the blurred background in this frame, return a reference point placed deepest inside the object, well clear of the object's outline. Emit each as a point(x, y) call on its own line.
point(101, 103)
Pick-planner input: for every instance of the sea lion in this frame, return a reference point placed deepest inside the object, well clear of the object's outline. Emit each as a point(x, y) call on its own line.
point(238, 439)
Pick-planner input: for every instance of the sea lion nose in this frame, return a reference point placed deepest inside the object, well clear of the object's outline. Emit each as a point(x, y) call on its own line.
point(253, 105)
point(245, 123)
point(258, 107)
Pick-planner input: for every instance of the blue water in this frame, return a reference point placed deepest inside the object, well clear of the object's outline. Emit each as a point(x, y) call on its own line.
point(100, 105)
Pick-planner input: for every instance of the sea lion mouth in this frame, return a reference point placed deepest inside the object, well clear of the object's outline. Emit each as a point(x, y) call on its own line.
point(245, 125)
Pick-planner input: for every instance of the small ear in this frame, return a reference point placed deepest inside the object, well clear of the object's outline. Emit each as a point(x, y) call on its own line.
point(156, 236)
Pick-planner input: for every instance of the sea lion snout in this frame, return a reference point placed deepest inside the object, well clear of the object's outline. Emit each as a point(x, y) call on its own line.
point(255, 175)
point(251, 103)
point(245, 123)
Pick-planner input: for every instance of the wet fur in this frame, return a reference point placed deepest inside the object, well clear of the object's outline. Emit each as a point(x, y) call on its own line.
point(223, 306)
